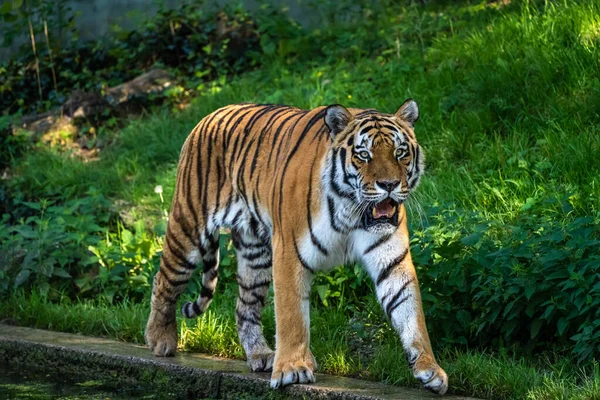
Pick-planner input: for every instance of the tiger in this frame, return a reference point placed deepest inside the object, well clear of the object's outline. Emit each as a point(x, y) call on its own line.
point(301, 191)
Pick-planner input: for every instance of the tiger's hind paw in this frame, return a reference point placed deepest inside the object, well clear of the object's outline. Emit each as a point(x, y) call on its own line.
point(162, 339)
point(263, 361)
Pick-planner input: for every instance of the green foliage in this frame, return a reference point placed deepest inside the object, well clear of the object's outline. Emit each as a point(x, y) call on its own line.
point(68, 248)
point(344, 285)
point(531, 282)
point(45, 247)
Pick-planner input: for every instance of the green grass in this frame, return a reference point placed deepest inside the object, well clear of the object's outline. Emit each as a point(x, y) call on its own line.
point(334, 343)
point(509, 98)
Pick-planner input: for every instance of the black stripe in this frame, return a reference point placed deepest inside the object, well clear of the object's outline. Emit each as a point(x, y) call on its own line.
point(318, 117)
point(206, 292)
point(254, 256)
point(313, 237)
point(182, 260)
point(180, 219)
point(378, 243)
point(302, 260)
point(249, 129)
point(219, 189)
point(289, 135)
point(363, 123)
point(172, 269)
point(236, 217)
point(227, 208)
point(345, 174)
point(390, 127)
point(241, 244)
point(238, 144)
point(256, 210)
point(266, 128)
point(276, 134)
point(391, 306)
point(368, 112)
point(249, 318)
point(389, 310)
point(321, 134)
point(411, 359)
point(333, 172)
point(208, 265)
point(231, 126)
point(196, 308)
point(166, 288)
point(254, 227)
point(185, 309)
point(416, 164)
point(331, 207)
point(252, 302)
point(213, 239)
point(265, 265)
point(385, 273)
point(255, 285)
point(174, 282)
point(187, 176)
point(212, 274)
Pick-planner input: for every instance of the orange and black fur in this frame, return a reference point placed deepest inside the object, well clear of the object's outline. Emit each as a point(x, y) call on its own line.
point(301, 191)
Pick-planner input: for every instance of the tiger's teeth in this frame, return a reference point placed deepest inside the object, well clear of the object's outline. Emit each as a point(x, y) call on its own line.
point(374, 211)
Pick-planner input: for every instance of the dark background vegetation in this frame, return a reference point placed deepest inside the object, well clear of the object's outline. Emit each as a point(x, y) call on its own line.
point(505, 228)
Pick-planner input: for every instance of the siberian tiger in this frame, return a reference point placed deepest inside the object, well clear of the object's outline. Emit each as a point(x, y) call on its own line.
point(301, 191)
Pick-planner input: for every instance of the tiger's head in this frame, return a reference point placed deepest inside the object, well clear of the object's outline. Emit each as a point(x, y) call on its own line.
point(376, 162)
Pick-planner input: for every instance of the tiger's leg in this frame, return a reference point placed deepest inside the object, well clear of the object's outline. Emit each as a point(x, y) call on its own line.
point(177, 263)
point(390, 265)
point(209, 251)
point(254, 277)
point(294, 362)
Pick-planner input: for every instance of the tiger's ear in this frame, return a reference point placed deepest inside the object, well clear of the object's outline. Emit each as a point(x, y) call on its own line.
point(408, 111)
point(337, 118)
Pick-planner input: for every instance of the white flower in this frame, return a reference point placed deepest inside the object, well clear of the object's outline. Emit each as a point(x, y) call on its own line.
point(158, 189)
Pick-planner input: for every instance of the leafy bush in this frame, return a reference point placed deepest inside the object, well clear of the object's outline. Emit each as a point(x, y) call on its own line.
point(533, 282)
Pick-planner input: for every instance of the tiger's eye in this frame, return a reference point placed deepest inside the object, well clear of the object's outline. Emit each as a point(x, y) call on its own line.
point(364, 155)
point(400, 153)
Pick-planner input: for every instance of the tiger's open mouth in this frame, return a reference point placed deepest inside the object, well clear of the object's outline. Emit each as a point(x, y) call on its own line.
point(384, 212)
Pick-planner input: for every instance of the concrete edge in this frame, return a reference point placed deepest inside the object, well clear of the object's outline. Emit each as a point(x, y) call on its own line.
point(200, 377)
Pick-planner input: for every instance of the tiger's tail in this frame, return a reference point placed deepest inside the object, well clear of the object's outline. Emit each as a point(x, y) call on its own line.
point(209, 253)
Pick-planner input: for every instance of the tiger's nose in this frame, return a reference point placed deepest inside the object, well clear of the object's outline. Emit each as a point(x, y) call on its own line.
point(388, 186)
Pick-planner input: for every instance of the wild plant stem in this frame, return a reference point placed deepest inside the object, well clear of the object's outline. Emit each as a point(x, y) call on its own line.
point(37, 63)
point(50, 54)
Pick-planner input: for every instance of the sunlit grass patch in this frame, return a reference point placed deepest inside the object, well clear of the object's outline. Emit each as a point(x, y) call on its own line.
point(213, 333)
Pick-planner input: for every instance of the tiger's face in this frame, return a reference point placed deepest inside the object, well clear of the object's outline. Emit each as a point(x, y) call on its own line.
point(377, 162)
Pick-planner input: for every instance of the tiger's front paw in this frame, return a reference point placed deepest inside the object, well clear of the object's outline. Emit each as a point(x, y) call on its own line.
point(432, 377)
point(161, 337)
point(288, 372)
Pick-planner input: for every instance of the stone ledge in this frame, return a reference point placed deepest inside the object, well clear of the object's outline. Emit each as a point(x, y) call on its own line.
point(185, 375)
